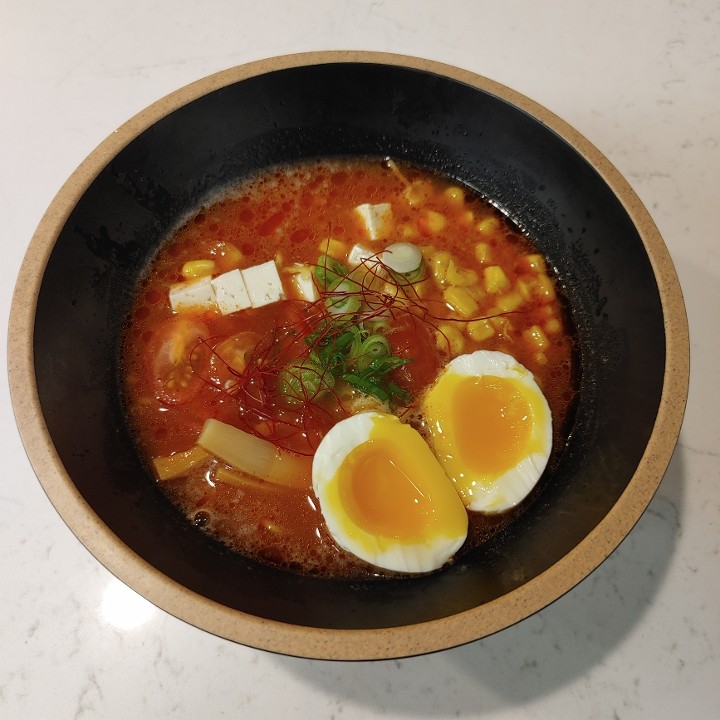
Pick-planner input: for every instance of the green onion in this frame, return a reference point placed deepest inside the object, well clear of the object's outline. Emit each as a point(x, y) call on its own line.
point(303, 380)
point(372, 348)
point(404, 258)
point(329, 272)
point(344, 299)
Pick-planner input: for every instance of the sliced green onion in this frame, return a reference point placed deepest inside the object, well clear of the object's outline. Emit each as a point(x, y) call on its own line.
point(303, 380)
point(372, 348)
point(329, 272)
point(344, 299)
point(378, 324)
point(402, 257)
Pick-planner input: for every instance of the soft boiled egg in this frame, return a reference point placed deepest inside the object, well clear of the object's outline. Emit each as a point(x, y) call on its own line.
point(384, 496)
point(490, 427)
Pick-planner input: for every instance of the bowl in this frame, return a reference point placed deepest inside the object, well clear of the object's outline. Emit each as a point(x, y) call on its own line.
point(78, 278)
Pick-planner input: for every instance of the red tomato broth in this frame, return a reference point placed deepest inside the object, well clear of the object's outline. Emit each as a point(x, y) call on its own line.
point(290, 214)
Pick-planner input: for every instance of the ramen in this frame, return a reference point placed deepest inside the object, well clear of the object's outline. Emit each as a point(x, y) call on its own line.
point(349, 368)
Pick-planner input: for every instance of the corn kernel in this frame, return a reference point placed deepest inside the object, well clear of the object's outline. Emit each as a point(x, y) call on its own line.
point(449, 338)
point(533, 262)
point(198, 268)
point(460, 276)
point(536, 337)
point(466, 218)
point(540, 358)
point(460, 300)
point(480, 330)
point(420, 289)
point(495, 279)
point(488, 225)
point(509, 302)
point(544, 289)
point(431, 222)
point(334, 248)
point(483, 253)
point(546, 312)
point(227, 256)
point(553, 326)
point(439, 263)
point(454, 196)
point(408, 232)
point(524, 288)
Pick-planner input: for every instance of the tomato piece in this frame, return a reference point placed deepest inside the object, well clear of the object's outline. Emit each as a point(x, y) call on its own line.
point(176, 357)
point(230, 356)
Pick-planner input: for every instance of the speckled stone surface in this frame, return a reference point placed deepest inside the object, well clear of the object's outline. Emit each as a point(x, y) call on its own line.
point(635, 639)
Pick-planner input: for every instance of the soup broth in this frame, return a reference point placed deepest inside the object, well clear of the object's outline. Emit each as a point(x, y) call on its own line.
point(311, 293)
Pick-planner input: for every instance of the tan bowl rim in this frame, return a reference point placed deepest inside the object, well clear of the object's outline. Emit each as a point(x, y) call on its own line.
point(314, 642)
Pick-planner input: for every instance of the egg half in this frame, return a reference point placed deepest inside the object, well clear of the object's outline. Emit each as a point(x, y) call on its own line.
point(385, 497)
point(490, 427)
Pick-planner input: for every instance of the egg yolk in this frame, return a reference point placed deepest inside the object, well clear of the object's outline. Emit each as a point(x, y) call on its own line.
point(392, 486)
point(493, 423)
point(484, 426)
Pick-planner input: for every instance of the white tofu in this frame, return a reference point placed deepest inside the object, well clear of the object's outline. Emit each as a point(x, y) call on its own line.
point(358, 254)
point(376, 219)
point(263, 284)
point(304, 284)
point(193, 295)
point(231, 293)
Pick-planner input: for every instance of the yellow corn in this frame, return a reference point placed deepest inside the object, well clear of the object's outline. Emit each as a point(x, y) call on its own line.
point(460, 276)
point(449, 338)
point(488, 225)
point(544, 289)
point(454, 196)
point(431, 222)
point(533, 262)
point(483, 253)
point(198, 268)
point(536, 337)
point(546, 312)
point(466, 218)
point(460, 300)
point(495, 279)
point(419, 289)
point(480, 330)
point(509, 302)
point(332, 247)
point(439, 263)
point(524, 288)
point(540, 358)
point(553, 326)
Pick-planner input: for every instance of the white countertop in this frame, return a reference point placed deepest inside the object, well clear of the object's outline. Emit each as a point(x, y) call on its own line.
point(639, 638)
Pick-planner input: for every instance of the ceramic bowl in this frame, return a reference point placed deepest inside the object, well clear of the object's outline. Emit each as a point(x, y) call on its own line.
point(79, 275)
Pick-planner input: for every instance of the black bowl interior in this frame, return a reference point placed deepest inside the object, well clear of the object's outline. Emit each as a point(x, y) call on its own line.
point(508, 155)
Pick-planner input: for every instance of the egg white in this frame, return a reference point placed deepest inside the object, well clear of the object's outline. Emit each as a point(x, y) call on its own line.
point(483, 494)
point(411, 555)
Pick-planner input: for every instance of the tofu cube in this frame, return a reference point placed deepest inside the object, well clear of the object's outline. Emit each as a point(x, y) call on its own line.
point(263, 284)
point(230, 292)
point(358, 254)
point(193, 295)
point(376, 219)
point(305, 285)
